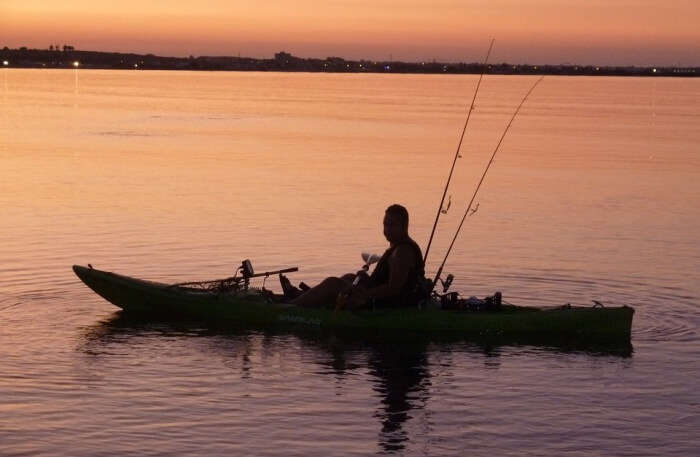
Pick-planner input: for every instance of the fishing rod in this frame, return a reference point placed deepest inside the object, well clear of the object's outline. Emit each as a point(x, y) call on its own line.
point(454, 161)
point(486, 170)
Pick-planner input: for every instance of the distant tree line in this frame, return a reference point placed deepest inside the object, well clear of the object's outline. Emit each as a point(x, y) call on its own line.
point(63, 57)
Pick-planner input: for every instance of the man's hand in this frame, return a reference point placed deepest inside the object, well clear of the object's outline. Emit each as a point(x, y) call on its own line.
point(358, 298)
point(361, 277)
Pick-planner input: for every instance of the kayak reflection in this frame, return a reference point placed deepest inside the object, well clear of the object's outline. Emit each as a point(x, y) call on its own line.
point(400, 372)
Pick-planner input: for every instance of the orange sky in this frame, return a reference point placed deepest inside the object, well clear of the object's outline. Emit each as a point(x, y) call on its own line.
point(639, 32)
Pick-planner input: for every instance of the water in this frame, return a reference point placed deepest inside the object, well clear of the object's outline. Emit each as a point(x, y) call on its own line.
point(178, 176)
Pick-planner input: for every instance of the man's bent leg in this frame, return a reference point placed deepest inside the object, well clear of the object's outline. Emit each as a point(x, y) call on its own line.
point(323, 294)
point(348, 277)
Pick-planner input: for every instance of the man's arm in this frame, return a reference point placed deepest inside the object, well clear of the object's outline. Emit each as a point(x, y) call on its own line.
point(400, 262)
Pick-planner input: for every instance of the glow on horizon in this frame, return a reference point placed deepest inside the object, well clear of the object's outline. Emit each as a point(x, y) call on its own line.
point(639, 32)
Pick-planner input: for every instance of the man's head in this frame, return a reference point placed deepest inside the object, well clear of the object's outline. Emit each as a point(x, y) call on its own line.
point(395, 223)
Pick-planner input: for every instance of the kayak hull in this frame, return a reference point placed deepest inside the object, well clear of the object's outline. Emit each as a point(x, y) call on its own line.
point(140, 296)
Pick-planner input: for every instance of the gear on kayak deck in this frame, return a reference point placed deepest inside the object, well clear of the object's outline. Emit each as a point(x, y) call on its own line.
point(452, 300)
point(234, 283)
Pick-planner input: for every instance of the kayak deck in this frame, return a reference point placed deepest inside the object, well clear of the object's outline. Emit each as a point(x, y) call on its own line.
point(165, 300)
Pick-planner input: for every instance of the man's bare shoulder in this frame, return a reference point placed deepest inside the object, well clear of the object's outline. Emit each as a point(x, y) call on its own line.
point(403, 254)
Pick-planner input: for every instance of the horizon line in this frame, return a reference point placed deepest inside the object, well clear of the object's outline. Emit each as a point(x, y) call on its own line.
point(273, 57)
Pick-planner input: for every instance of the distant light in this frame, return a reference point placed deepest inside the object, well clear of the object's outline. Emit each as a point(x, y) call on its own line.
point(654, 70)
point(136, 65)
point(5, 62)
point(597, 68)
point(76, 64)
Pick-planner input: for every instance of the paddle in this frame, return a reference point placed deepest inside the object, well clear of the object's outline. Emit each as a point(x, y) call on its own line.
point(369, 259)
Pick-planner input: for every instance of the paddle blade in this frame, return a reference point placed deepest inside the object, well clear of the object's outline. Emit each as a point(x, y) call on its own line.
point(370, 258)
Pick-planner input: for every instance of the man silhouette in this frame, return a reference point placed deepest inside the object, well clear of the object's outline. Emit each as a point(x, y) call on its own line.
point(395, 281)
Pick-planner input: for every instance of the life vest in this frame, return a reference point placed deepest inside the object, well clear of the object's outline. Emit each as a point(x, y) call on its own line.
point(410, 293)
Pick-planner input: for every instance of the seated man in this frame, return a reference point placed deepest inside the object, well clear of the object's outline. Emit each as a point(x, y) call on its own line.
point(395, 281)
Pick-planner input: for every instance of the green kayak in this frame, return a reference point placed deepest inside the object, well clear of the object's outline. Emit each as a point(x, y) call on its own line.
point(251, 307)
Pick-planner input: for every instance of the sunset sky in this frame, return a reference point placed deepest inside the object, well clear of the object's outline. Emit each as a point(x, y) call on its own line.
point(603, 32)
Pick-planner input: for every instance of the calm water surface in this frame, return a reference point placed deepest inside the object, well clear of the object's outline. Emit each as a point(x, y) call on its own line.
point(178, 176)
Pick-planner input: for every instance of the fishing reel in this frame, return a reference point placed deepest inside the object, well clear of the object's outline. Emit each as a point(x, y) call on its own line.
point(447, 282)
point(446, 300)
point(433, 298)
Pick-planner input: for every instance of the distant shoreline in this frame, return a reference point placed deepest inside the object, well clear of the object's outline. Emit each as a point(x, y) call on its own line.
point(68, 57)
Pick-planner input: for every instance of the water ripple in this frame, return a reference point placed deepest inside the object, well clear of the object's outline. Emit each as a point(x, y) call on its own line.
point(124, 133)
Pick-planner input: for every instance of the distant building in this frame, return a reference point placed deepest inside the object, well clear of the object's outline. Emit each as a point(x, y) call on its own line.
point(284, 56)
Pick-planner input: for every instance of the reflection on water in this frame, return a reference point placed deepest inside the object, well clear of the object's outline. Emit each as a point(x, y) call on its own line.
point(335, 343)
point(402, 381)
point(398, 369)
